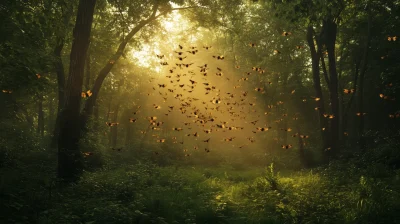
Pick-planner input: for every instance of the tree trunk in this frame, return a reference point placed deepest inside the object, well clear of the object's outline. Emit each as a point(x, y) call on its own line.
point(50, 122)
point(28, 117)
point(315, 57)
point(114, 129)
point(59, 66)
point(304, 159)
point(69, 156)
point(330, 40)
point(40, 127)
point(128, 135)
point(87, 78)
point(128, 131)
point(347, 109)
point(109, 120)
point(285, 90)
point(361, 138)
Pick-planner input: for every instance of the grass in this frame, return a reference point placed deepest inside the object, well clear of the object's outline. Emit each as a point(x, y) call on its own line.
point(343, 192)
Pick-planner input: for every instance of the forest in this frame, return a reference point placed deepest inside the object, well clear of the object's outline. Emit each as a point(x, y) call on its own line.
point(199, 111)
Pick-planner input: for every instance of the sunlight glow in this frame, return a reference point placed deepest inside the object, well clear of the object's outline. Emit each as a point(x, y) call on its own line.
point(174, 30)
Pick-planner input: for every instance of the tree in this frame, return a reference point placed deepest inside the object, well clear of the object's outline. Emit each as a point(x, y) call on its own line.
point(69, 162)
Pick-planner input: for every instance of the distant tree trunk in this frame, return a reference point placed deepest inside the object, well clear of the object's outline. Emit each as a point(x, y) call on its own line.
point(40, 127)
point(50, 122)
point(315, 58)
point(360, 109)
point(347, 109)
point(341, 94)
point(142, 141)
point(109, 120)
point(114, 129)
point(96, 118)
point(87, 78)
point(330, 40)
point(69, 155)
point(304, 159)
point(283, 110)
point(128, 134)
point(273, 92)
point(28, 117)
point(59, 66)
point(128, 127)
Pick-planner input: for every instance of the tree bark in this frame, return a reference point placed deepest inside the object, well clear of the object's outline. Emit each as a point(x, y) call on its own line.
point(361, 138)
point(59, 66)
point(330, 40)
point(88, 74)
point(347, 109)
point(324, 71)
point(315, 57)
point(50, 123)
point(69, 156)
point(40, 127)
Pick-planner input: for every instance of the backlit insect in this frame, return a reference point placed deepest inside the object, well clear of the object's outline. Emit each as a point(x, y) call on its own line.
point(86, 154)
point(86, 94)
point(286, 34)
point(111, 124)
point(219, 57)
point(348, 91)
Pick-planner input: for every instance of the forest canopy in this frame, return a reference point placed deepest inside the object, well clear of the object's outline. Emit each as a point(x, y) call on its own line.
point(248, 111)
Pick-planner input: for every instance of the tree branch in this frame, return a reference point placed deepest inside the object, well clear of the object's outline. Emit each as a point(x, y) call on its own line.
point(88, 110)
point(174, 9)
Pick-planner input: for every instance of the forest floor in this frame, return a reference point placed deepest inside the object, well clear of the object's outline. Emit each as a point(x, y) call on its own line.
point(343, 192)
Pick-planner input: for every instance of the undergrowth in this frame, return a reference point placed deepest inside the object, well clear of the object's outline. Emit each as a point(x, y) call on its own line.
point(345, 191)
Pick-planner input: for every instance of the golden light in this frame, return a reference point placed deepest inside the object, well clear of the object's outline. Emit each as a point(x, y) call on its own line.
point(173, 27)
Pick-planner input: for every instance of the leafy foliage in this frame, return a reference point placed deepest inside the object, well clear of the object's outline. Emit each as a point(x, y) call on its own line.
point(146, 152)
